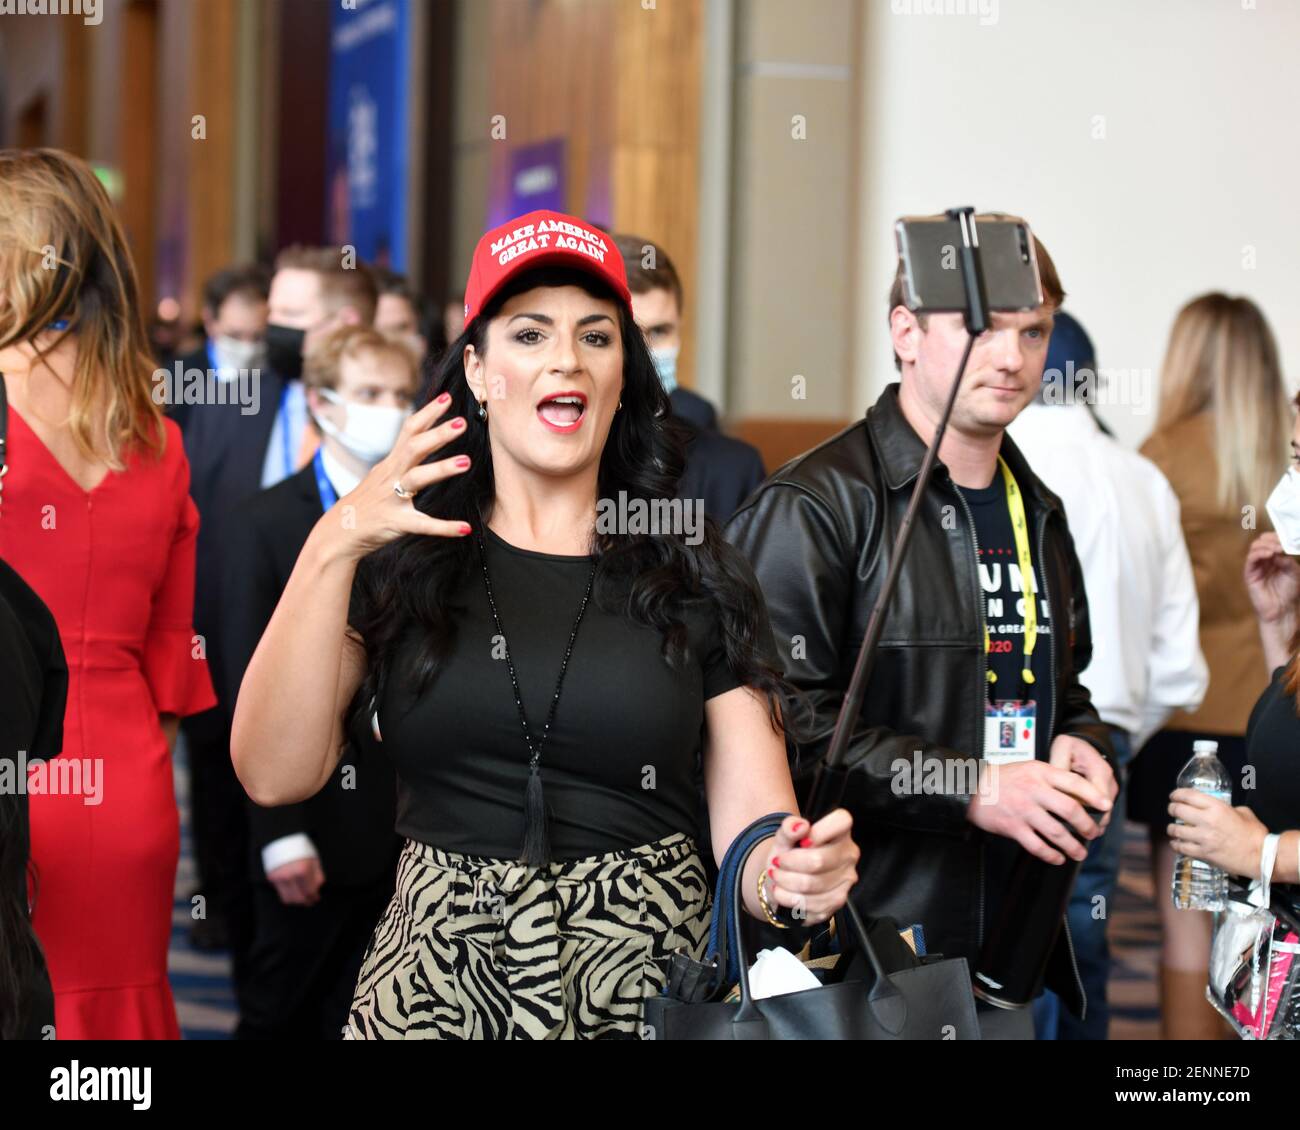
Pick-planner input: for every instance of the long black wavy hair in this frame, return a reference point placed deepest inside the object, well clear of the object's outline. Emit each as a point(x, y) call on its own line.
point(649, 578)
point(20, 954)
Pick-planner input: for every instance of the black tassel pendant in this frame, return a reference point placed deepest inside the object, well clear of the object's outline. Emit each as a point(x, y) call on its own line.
point(536, 850)
point(537, 844)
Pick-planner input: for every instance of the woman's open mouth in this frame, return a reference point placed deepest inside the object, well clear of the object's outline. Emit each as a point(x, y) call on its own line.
point(563, 411)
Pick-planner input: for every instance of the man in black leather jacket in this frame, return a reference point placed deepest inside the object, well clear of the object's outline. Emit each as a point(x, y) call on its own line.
point(819, 533)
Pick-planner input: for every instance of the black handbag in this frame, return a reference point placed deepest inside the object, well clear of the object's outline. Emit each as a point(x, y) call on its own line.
point(859, 998)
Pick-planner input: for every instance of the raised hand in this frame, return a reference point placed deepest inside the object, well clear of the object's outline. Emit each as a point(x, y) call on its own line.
point(1272, 579)
point(375, 513)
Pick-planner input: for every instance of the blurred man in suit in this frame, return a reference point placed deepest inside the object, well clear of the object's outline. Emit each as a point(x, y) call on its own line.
point(452, 322)
point(323, 870)
point(233, 452)
point(400, 310)
point(234, 325)
point(720, 470)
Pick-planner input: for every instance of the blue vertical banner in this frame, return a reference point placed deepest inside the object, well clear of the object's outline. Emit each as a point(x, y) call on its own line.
point(369, 115)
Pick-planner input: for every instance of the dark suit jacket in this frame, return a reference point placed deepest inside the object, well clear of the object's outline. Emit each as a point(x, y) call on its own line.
point(693, 408)
point(226, 447)
point(352, 828)
point(721, 470)
point(196, 359)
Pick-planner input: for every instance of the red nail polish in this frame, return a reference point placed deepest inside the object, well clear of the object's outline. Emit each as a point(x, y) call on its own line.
point(446, 396)
point(465, 527)
point(457, 423)
point(806, 842)
point(462, 460)
point(776, 861)
point(797, 827)
point(771, 872)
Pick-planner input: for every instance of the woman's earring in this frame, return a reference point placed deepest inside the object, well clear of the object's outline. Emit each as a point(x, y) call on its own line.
point(620, 405)
point(482, 410)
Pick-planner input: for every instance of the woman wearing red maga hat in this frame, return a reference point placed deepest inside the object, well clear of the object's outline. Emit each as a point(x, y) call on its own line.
point(544, 681)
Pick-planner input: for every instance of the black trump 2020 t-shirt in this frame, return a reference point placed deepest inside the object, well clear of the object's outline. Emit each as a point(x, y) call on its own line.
point(1004, 594)
point(1004, 591)
point(621, 764)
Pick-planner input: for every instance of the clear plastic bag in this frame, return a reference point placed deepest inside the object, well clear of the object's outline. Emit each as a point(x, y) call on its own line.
point(1255, 967)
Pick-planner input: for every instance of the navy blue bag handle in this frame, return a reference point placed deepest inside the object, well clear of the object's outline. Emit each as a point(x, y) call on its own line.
point(723, 939)
point(727, 951)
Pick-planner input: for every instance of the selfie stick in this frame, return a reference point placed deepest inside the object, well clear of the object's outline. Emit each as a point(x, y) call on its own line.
point(832, 774)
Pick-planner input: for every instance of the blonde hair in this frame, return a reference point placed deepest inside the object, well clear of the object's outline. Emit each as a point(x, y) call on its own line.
point(321, 365)
point(1222, 359)
point(63, 255)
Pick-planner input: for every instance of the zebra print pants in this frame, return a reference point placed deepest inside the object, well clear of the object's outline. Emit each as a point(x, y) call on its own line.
point(474, 948)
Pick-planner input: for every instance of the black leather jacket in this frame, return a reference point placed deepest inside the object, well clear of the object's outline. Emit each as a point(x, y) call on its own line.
point(819, 534)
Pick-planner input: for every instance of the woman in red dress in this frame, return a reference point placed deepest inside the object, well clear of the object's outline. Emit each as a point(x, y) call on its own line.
point(95, 515)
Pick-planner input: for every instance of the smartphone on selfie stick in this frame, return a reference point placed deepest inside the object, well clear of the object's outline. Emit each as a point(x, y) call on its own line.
point(951, 264)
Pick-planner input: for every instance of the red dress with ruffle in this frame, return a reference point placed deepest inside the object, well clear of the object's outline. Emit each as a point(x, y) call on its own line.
point(116, 567)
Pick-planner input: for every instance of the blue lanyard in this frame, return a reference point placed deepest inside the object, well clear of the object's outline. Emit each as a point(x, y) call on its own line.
point(283, 413)
point(328, 495)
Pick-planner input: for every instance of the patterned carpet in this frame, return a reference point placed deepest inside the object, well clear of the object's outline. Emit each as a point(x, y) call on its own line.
point(1135, 945)
point(206, 1004)
point(200, 981)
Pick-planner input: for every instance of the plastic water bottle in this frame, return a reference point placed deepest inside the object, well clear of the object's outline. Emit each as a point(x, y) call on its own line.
point(1199, 885)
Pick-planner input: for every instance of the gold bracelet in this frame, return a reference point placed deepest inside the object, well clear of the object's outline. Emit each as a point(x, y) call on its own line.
point(767, 906)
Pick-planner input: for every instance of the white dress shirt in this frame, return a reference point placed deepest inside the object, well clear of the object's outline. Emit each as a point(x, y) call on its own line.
point(280, 455)
point(1142, 606)
point(341, 479)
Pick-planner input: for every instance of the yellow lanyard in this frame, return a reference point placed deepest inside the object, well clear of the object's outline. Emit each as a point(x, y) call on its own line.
point(1020, 530)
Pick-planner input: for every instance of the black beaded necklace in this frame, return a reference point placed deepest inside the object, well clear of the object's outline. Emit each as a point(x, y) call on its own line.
point(536, 850)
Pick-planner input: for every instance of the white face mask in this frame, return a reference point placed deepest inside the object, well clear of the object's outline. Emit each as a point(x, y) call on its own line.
point(1284, 510)
point(233, 354)
point(369, 430)
point(666, 366)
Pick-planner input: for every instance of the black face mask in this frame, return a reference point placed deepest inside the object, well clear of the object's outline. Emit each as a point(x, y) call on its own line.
point(284, 350)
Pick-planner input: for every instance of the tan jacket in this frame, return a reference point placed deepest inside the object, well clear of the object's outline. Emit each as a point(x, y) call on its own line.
point(1217, 544)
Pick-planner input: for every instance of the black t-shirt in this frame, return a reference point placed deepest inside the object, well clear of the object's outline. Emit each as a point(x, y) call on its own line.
point(620, 766)
point(1273, 751)
point(1001, 581)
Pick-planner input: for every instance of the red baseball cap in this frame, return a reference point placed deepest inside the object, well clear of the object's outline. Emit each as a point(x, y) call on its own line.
point(534, 240)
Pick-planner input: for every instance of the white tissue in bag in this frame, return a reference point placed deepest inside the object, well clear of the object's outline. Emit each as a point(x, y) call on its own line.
point(778, 971)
